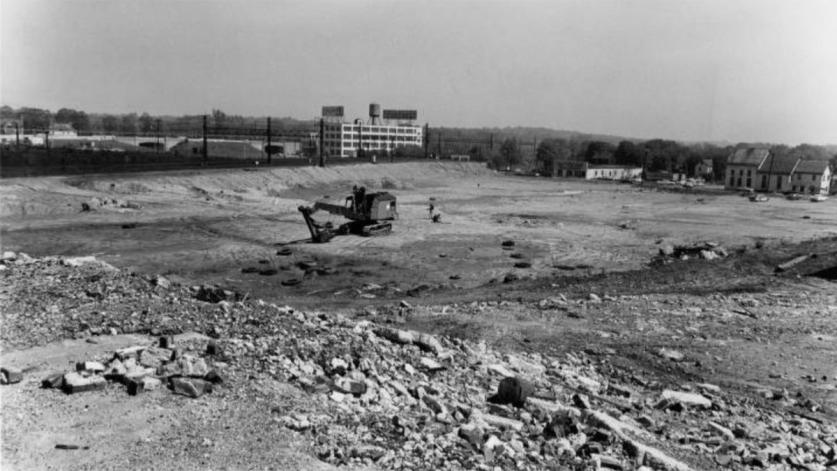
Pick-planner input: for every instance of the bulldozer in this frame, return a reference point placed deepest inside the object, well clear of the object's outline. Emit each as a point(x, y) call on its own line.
point(367, 213)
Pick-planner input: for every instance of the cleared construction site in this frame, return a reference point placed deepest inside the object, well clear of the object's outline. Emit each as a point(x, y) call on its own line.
point(519, 322)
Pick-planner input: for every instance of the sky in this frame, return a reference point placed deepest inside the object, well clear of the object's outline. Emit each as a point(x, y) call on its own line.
point(714, 70)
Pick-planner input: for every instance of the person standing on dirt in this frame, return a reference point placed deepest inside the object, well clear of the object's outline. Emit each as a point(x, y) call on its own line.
point(430, 209)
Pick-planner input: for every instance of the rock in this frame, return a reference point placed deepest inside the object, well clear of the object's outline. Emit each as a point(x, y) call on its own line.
point(190, 387)
point(371, 452)
point(428, 343)
point(594, 298)
point(692, 399)
point(9, 256)
point(213, 377)
point(162, 282)
point(76, 383)
point(348, 386)
point(513, 391)
point(192, 366)
point(11, 374)
point(53, 381)
point(90, 366)
point(562, 424)
point(430, 364)
point(507, 243)
point(129, 352)
point(501, 370)
point(720, 429)
point(490, 448)
point(472, 433)
point(708, 255)
point(581, 401)
point(510, 277)
point(212, 348)
point(166, 341)
point(434, 404)
point(670, 354)
point(500, 422)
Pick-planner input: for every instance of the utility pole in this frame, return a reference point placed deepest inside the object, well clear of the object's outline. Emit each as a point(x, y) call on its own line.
point(17, 134)
point(158, 136)
point(322, 142)
point(439, 146)
point(204, 150)
point(269, 148)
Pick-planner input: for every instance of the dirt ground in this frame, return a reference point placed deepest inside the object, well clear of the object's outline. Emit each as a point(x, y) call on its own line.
point(739, 324)
point(207, 227)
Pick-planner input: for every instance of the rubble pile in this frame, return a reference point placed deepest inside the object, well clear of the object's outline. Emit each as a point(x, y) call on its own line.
point(142, 368)
point(397, 398)
point(705, 251)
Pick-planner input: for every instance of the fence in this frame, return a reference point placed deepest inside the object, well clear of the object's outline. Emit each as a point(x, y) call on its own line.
point(202, 141)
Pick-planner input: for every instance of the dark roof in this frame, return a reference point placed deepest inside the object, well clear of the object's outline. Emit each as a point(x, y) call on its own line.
point(749, 156)
point(779, 164)
point(812, 166)
point(62, 127)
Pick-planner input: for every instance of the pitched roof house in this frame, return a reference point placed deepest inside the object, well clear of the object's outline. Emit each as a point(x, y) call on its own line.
point(742, 166)
point(812, 176)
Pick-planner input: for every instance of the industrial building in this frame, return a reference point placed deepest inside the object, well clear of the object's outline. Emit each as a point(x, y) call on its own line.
point(382, 133)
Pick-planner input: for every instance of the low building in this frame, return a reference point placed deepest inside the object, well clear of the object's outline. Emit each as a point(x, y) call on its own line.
point(743, 166)
point(613, 172)
point(812, 177)
point(570, 168)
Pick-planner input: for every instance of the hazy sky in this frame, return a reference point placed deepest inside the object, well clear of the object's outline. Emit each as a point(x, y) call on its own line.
point(693, 70)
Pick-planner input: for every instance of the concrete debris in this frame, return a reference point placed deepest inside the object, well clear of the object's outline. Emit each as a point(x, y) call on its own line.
point(366, 394)
point(688, 398)
point(10, 375)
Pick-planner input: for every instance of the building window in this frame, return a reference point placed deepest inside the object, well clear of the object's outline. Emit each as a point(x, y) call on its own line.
point(732, 180)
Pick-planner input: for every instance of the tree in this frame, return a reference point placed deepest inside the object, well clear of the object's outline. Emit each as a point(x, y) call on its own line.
point(628, 153)
point(146, 123)
point(219, 118)
point(35, 119)
point(77, 119)
point(551, 151)
point(510, 153)
point(128, 123)
point(110, 123)
point(599, 152)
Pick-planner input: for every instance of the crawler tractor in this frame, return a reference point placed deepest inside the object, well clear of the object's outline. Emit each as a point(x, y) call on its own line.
point(367, 214)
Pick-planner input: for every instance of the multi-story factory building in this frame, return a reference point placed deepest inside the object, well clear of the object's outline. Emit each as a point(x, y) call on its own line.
point(395, 129)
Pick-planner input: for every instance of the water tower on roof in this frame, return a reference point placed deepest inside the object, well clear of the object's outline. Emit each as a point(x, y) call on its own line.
point(374, 113)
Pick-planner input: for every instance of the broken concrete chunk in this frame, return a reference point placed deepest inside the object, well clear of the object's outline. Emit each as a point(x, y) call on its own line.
point(53, 381)
point(76, 383)
point(90, 366)
point(348, 386)
point(687, 398)
point(670, 354)
point(129, 352)
point(11, 375)
point(190, 387)
point(430, 364)
point(501, 422)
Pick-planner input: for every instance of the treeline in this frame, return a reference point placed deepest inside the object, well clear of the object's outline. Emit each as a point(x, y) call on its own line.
point(37, 120)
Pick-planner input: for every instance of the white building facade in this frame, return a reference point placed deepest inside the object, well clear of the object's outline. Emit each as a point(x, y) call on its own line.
point(379, 135)
point(344, 139)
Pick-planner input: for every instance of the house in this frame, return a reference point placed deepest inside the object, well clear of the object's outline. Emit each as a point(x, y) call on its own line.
point(569, 168)
point(62, 130)
point(705, 169)
point(811, 176)
point(775, 173)
point(742, 167)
